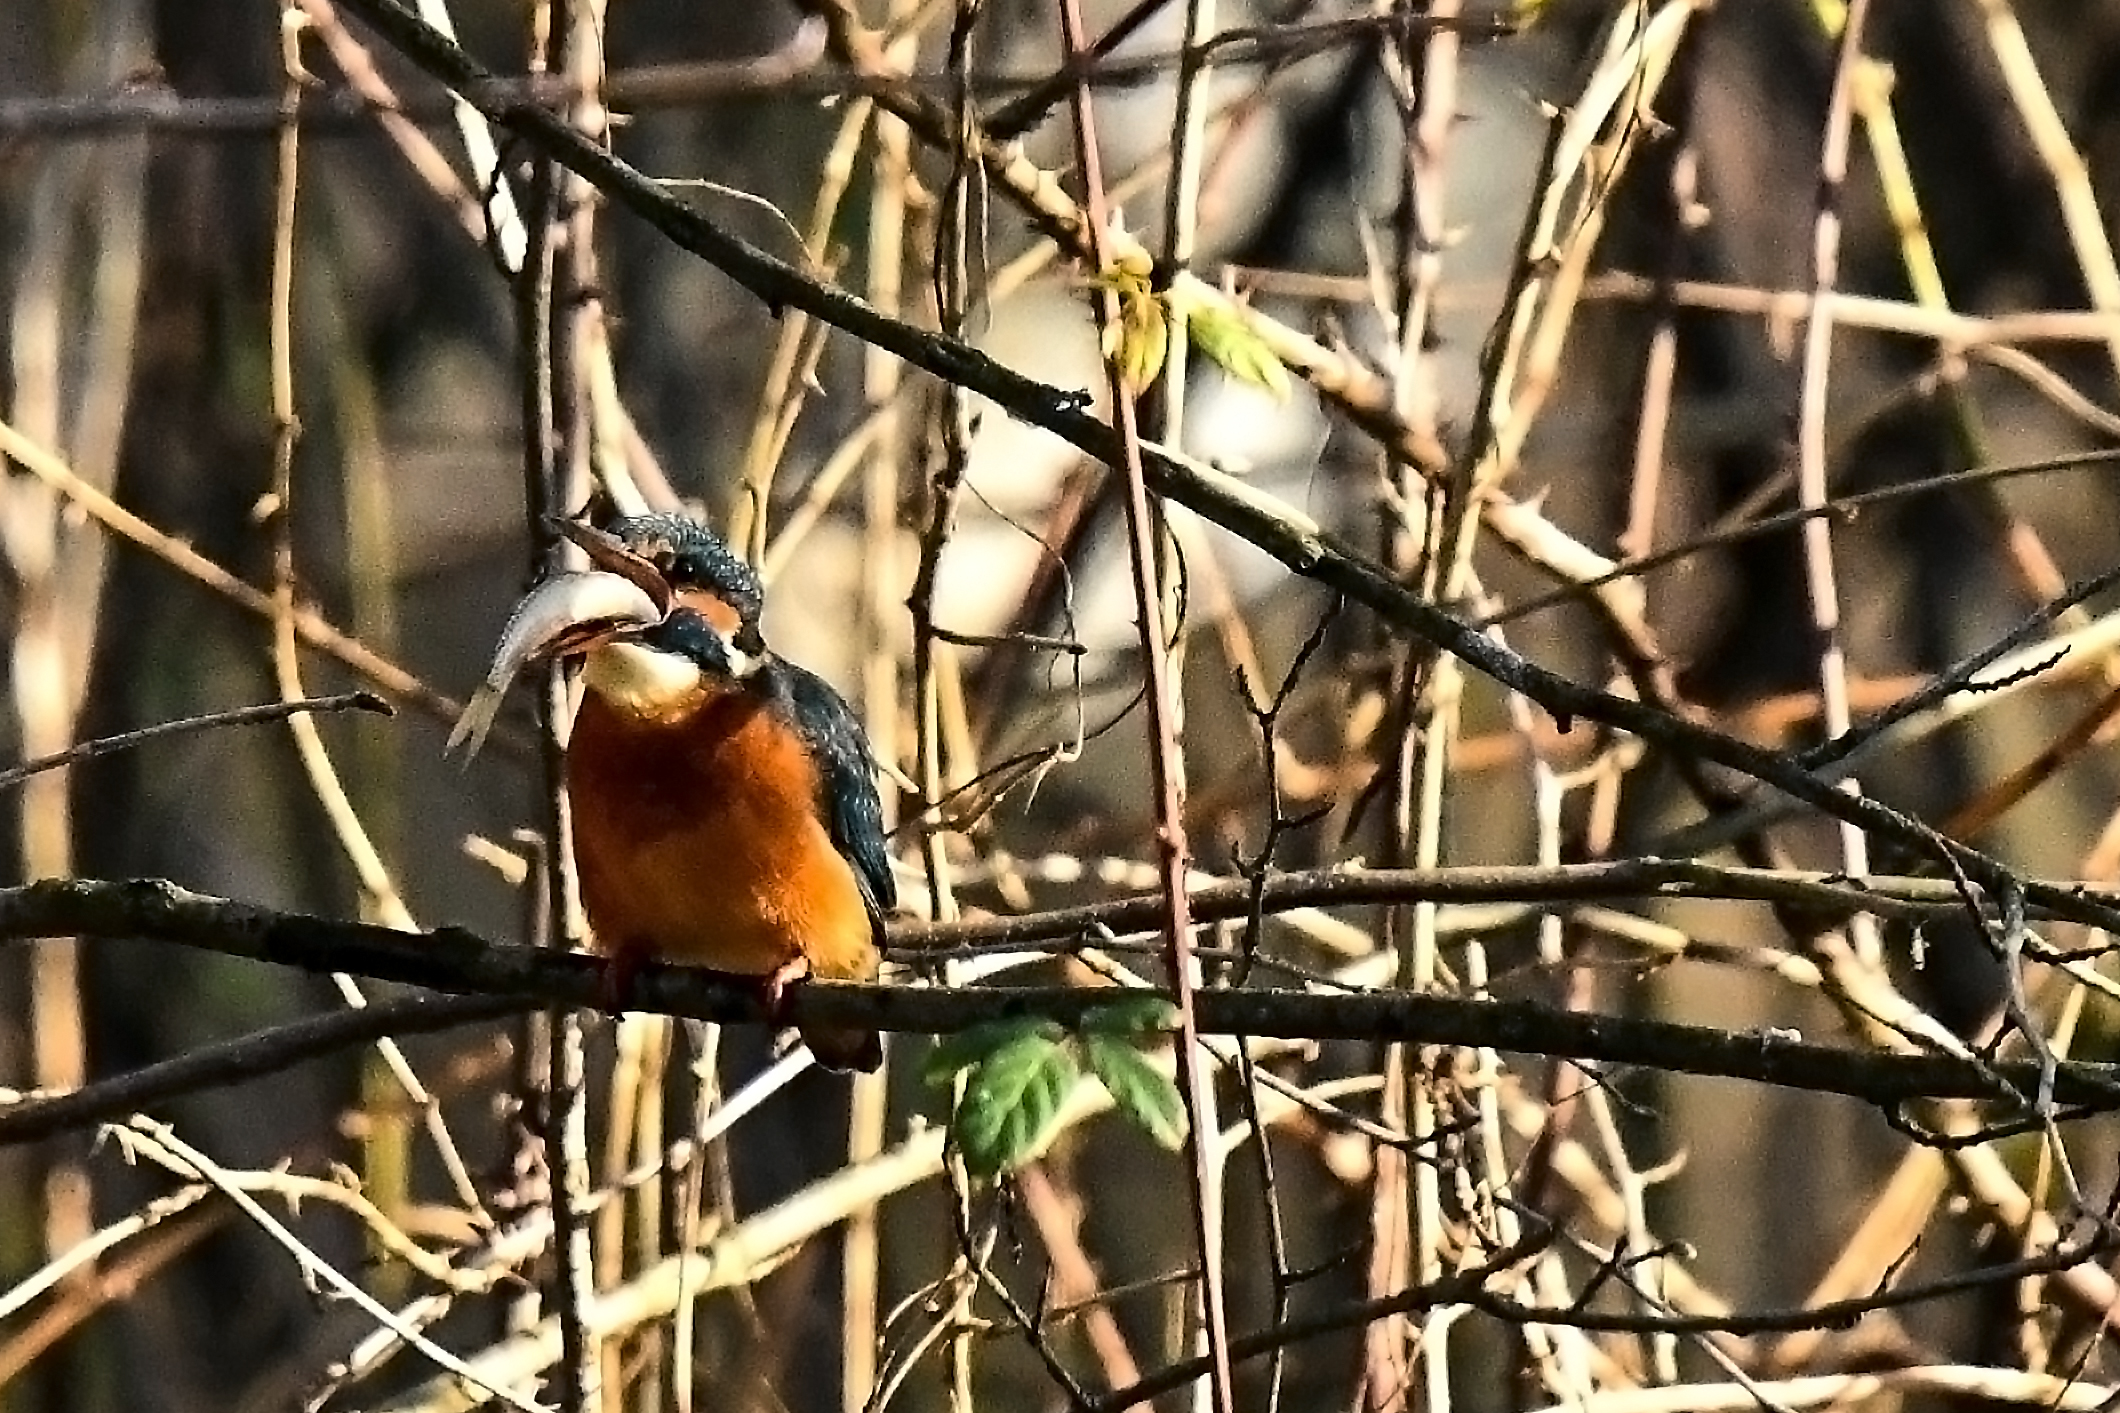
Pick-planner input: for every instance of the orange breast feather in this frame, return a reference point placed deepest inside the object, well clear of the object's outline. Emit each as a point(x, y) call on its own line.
point(699, 841)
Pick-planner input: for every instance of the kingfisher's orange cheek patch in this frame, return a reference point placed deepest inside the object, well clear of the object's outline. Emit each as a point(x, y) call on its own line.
point(718, 612)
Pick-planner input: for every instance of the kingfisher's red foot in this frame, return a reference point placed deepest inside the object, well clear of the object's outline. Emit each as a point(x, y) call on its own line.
point(834, 1049)
point(776, 984)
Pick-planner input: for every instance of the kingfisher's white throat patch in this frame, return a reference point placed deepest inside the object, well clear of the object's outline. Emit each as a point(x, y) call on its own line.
point(642, 682)
point(741, 663)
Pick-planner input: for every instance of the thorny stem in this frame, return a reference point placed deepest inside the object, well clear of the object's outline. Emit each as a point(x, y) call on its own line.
point(1424, 69)
point(882, 376)
point(1166, 770)
point(1819, 574)
point(1167, 419)
point(958, 241)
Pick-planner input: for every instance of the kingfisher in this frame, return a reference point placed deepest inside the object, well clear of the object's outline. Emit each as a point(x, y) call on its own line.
point(724, 799)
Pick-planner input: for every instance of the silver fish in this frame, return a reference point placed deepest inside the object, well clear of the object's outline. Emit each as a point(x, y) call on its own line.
point(566, 613)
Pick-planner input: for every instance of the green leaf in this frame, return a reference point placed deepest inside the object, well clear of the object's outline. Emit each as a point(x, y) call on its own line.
point(1136, 1015)
point(970, 1046)
point(1010, 1109)
point(1225, 334)
point(1142, 1092)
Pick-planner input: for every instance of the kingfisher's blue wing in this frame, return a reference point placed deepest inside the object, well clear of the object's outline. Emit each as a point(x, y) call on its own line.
point(846, 780)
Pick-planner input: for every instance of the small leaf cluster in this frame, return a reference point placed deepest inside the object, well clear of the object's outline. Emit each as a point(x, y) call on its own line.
point(1020, 1072)
point(1138, 341)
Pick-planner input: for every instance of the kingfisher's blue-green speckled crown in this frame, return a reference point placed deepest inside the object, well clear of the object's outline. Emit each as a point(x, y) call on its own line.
point(693, 557)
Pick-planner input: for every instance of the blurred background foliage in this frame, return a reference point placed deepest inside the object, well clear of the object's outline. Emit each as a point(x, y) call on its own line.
point(134, 262)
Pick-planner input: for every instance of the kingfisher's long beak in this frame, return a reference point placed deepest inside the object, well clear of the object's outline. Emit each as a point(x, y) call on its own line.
point(611, 554)
point(567, 613)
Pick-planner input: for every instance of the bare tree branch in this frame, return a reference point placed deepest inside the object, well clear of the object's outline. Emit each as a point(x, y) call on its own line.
point(33, 1116)
point(450, 959)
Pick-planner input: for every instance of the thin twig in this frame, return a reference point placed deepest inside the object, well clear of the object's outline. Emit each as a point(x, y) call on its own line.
point(145, 1218)
point(379, 891)
point(1953, 329)
point(1843, 507)
point(790, 71)
point(1165, 753)
point(158, 908)
point(344, 1191)
point(145, 1136)
point(1166, 413)
point(1821, 576)
point(884, 466)
point(207, 721)
point(93, 1284)
point(1058, 1216)
point(421, 155)
point(2081, 215)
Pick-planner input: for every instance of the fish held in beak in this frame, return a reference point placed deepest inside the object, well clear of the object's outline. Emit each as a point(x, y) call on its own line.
point(567, 613)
